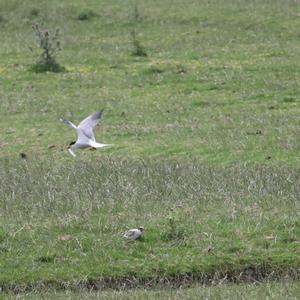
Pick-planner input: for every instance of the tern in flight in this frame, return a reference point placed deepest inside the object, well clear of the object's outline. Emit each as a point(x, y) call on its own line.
point(86, 138)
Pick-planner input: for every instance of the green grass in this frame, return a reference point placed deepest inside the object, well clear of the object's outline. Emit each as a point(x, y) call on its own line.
point(65, 222)
point(216, 72)
point(208, 120)
point(283, 290)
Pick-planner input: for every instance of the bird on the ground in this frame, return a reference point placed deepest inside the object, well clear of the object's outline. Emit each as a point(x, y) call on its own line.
point(86, 138)
point(134, 234)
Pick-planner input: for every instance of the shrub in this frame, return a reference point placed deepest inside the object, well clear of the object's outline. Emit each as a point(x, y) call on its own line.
point(86, 15)
point(34, 12)
point(50, 46)
point(138, 49)
point(136, 15)
point(173, 228)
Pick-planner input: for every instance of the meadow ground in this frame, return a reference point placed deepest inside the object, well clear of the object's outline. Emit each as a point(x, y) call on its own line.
point(279, 290)
point(206, 153)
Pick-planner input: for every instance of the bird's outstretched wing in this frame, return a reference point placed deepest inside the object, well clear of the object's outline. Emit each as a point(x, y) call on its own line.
point(68, 123)
point(86, 126)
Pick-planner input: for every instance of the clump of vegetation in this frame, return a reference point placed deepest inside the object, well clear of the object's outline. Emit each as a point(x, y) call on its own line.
point(173, 227)
point(34, 12)
point(138, 49)
point(50, 45)
point(86, 15)
point(136, 15)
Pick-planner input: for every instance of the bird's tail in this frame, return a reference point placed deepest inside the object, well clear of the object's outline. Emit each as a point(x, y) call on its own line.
point(98, 145)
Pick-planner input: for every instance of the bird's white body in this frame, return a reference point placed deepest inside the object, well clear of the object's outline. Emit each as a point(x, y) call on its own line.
point(86, 138)
point(134, 234)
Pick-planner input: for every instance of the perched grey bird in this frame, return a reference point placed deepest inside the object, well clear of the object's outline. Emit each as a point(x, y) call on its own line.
point(86, 138)
point(134, 234)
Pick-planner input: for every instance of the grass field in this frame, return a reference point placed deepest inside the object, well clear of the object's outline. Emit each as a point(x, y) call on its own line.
point(282, 290)
point(206, 153)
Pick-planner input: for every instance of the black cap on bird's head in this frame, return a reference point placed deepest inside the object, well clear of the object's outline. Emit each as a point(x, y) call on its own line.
point(141, 228)
point(71, 143)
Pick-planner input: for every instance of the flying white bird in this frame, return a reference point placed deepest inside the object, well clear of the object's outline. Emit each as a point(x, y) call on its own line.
point(86, 138)
point(134, 234)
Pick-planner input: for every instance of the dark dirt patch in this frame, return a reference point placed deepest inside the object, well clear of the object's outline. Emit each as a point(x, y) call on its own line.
point(185, 280)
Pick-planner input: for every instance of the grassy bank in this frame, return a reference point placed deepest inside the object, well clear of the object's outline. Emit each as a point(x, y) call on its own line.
point(65, 222)
point(282, 290)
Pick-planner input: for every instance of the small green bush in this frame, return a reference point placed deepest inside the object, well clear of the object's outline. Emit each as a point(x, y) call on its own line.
point(173, 226)
point(86, 15)
point(138, 49)
point(50, 46)
point(34, 12)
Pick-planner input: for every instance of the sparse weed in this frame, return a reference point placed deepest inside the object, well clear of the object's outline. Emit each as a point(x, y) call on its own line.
point(78, 209)
point(175, 226)
point(50, 45)
point(136, 15)
point(34, 12)
point(86, 15)
point(138, 49)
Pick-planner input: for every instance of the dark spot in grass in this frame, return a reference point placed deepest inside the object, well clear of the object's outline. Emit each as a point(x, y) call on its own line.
point(46, 259)
point(234, 249)
point(51, 67)
point(23, 155)
point(288, 240)
point(3, 249)
point(200, 103)
point(257, 132)
point(268, 157)
point(272, 107)
point(216, 86)
point(3, 235)
point(2, 19)
point(289, 99)
point(154, 70)
point(136, 15)
point(34, 12)
point(138, 49)
point(86, 15)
